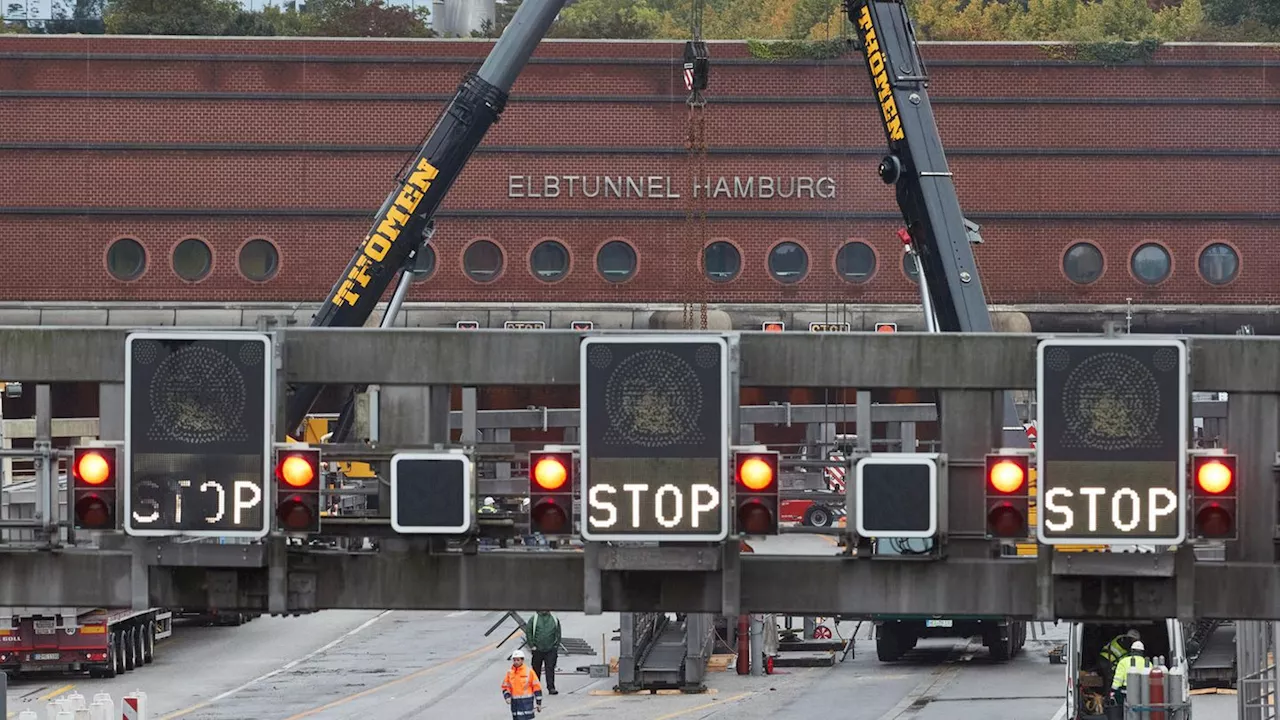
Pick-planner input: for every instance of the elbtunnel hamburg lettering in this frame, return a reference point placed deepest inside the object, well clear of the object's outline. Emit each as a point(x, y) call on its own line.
point(738, 187)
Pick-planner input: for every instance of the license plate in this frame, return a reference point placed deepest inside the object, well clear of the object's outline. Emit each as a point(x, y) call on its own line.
point(937, 623)
point(46, 656)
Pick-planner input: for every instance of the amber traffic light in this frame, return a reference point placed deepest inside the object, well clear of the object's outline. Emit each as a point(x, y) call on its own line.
point(1213, 492)
point(756, 481)
point(551, 492)
point(1008, 496)
point(298, 489)
point(773, 326)
point(94, 488)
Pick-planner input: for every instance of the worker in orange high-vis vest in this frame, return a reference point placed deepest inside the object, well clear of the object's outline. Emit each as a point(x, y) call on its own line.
point(521, 689)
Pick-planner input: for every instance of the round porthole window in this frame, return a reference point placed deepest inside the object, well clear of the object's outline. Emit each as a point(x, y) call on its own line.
point(192, 259)
point(126, 259)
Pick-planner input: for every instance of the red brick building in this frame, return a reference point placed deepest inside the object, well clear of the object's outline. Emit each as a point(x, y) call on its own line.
point(162, 170)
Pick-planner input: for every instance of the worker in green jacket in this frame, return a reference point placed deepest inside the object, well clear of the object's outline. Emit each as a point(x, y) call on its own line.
point(544, 640)
point(1116, 649)
point(1134, 660)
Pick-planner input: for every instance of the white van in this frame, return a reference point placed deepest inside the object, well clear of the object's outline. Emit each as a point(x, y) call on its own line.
point(1161, 638)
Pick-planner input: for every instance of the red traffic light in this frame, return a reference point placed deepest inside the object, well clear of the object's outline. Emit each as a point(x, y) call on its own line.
point(298, 468)
point(1008, 495)
point(1215, 491)
point(756, 472)
point(549, 472)
point(1006, 475)
point(886, 327)
point(92, 468)
point(773, 326)
point(1214, 476)
point(93, 472)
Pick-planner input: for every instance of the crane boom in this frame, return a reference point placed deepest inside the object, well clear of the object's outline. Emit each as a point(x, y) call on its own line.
point(401, 222)
point(917, 166)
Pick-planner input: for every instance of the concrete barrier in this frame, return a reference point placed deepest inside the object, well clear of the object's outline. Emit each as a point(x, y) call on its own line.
point(108, 706)
point(28, 715)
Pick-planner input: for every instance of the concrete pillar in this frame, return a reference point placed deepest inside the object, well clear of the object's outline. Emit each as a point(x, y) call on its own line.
point(1253, 433)
point(403, 420)
point(970, 423)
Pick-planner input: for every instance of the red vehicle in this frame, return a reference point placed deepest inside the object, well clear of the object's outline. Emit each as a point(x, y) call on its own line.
point(103, 642)
point(810, 513)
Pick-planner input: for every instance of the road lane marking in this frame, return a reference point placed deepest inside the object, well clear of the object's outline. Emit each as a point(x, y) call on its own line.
point(47, 696)
point(55, 693)
point(460, 613)
point(1062, 713)
point(378, 688)
point(939, 678)
point(287, 666)
point(704, 706)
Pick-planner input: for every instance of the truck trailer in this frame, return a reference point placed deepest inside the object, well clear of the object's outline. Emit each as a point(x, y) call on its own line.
point(104, 643)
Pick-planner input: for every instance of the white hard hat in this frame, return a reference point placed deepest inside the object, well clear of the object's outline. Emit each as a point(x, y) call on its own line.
point(488, 501)
point(517, 655)
point(1138, 646)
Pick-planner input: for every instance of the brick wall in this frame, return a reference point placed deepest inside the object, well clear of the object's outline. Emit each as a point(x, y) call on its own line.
point(160, 139)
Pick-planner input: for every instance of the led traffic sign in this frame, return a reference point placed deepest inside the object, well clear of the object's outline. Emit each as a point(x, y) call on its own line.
point(1008, 494)
point(655, 438)
point(432, 493)
point(829, 327)
point(886, 327)
point(774, 326)
point(1213, 493)
point(757, 500)
point(94, 488)
point(298, 488)
point(896, 495)
point(551, 492)
point(197, 441)
point(1112, 450)
point(582, 325)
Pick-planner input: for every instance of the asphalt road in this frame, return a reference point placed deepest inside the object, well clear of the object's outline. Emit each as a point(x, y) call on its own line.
point(349, 665)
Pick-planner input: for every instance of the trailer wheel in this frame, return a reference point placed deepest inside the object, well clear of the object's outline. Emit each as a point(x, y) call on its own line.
point(130, 648)
point(1000, 642)
point(115, 658)
point(139, 645)
point(149, 642)
point(889, 643)
point(817, 516)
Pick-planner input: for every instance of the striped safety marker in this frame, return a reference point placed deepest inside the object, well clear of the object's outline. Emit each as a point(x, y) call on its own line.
point(130, 708)
point(688, 76)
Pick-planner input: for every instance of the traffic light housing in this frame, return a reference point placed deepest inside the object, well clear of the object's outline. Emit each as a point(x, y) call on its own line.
point(1008, 482)
point(298, 481)
point(756, 483)
point(551, 481)
point(94, 487)
point(1213, 496)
